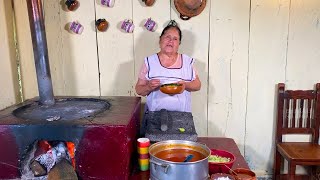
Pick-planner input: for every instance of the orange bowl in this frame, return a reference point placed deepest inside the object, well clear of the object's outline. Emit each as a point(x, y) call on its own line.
point(221, 167)
point(243, 174)
point(172, 88)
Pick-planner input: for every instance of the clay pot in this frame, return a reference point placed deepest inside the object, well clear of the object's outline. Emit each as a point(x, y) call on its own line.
point(243, 174)
point(72, 4)
point(102, 25)
point(149, 2)
point(172, 88)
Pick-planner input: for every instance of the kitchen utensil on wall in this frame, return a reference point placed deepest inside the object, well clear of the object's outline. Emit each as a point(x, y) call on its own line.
point(108, 3)
point(102, 25)
point(189, 8)
point(150, 25)
point(76, 27)
point(72, 5)
point(127, 25)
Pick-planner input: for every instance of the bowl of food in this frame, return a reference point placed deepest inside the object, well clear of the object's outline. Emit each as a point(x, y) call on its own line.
point(172, 88)
point(243, 174)
point(220, 161)
point(221, 176)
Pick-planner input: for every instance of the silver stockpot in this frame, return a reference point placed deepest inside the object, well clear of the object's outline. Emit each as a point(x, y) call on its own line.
point(161, 169)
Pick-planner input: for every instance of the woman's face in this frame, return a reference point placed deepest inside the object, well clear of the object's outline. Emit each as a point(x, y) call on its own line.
point(169, 42)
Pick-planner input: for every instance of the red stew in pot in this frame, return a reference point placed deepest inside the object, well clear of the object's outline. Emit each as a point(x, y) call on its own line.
point(179, 155)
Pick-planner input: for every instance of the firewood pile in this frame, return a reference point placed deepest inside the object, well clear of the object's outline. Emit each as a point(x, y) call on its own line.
point(50, 160)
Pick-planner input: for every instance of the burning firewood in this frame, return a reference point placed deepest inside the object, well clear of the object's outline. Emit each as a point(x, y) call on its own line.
point(37, 168)
point(62, 170)
point(48, 154)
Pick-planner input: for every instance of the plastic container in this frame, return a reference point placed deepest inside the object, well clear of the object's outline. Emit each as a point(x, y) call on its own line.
point(216, 167)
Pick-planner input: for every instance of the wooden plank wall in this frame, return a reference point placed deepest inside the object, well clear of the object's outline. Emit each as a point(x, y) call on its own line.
point(9, 86)
point(303, 44)
point(283, 47)
point(228, 68)
point(28, 75)
point(243, 48)
point(73, 58)
point(267, 64)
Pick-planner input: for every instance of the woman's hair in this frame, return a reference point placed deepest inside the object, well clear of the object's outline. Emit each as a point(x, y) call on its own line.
point(172, 24)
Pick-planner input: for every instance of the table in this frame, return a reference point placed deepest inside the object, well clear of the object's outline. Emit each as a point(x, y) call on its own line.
point(222, 143)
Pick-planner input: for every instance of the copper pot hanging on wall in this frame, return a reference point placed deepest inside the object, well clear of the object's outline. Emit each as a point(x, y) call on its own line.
point(189, 8)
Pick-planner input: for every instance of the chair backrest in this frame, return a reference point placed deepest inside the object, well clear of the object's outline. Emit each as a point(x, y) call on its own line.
point(298, 112)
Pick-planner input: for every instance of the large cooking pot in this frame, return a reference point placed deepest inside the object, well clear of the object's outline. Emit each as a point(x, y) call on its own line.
point(166, 160)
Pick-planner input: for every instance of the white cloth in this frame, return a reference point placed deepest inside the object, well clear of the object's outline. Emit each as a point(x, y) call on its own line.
point(157, 100)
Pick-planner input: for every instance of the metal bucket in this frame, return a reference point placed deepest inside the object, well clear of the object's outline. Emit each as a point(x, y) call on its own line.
point(167, 169)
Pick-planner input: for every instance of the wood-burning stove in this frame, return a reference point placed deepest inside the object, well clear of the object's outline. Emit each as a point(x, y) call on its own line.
point(105, 143)
point(103, 129)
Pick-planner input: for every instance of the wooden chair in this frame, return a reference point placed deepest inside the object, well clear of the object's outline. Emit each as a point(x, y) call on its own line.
point(298, 113)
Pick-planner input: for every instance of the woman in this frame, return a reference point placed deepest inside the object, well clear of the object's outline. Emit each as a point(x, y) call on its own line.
point(168, 66)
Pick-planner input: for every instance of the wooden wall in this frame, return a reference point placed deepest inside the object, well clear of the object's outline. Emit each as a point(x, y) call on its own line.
point(9, 84)
point(243, 49)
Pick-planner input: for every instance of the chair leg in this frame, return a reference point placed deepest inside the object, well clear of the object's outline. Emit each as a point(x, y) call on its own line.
point(276, 165)
point(291, 170)
point(314, 174)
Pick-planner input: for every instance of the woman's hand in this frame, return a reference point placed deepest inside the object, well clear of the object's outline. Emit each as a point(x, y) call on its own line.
point(145, 87)
point(183, 84)
point(194, 85)
point(153, 84)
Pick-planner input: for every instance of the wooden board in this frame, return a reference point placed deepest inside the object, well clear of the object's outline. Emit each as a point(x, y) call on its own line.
point(28, 72)
point(9, 91)
point(267, 65)
point(302, 70)
point(115, 48)
point(228, 69)
point(73, 57)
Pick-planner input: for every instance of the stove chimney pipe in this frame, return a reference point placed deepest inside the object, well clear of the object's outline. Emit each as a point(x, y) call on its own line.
point(40, 52)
